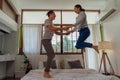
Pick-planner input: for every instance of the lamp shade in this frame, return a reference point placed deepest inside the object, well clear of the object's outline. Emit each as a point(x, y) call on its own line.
point(105, 45)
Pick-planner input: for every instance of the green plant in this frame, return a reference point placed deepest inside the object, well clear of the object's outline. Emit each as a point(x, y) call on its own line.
point(26, 60)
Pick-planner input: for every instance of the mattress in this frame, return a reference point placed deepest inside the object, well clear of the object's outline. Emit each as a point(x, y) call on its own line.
point(68, 74)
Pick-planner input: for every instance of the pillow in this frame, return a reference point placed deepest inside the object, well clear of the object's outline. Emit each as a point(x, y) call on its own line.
point(67, 66)
point(53, 65)
point(75, 64)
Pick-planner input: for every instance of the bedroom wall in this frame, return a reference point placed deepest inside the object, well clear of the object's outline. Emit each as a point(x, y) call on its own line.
point(112, 32)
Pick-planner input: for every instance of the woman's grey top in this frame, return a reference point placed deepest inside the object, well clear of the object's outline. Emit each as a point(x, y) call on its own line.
point(81, 21)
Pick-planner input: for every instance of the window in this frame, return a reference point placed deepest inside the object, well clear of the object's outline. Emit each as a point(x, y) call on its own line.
point(61, 44)
point(38, 17)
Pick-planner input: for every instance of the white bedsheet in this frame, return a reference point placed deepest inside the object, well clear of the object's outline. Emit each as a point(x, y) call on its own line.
point(68, 74)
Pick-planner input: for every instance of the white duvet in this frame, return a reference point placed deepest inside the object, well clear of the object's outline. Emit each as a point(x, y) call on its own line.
point(68, 74)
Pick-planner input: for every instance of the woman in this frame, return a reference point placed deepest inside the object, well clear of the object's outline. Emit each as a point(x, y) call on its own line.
point(50, 29)
point(82, 27)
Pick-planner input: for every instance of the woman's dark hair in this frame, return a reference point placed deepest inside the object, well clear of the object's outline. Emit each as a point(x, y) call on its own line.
point(79, 6)
point(50, 12)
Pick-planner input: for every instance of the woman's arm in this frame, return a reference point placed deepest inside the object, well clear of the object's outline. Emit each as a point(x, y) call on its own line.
point(49, 25)
point(60, 33)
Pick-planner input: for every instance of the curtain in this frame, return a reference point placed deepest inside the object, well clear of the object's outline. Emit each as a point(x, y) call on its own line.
point(32, 42)
point(21, 39)
point(91, 56)
point(31, 38)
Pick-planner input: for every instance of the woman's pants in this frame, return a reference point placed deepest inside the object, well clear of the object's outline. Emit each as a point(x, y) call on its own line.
point(83, 35)
point(50, 53)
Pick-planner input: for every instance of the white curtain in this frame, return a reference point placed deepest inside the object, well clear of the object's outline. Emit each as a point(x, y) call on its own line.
point(92, 58)
point(31, 38)
point(32, 42)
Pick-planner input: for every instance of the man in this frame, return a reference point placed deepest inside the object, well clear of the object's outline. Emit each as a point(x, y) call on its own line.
point(49, 31)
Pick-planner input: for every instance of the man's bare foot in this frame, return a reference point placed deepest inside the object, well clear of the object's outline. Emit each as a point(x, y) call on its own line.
point(95, 48)
point(47, 75)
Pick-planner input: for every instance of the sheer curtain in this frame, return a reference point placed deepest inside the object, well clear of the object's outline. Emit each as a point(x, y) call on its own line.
point(32, 42)
point(31, 38)
point(91, 55)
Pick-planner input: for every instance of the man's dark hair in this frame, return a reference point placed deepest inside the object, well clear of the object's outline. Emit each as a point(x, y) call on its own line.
point(50, 12)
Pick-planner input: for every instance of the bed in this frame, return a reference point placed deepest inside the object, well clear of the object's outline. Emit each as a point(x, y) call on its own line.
point(68, 74)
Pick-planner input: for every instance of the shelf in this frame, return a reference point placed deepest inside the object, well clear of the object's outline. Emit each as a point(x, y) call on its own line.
point(4, 58)
point(6, 23)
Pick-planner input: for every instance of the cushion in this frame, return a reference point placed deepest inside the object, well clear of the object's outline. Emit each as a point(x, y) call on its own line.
point(75, 64)
point(53, 65)
point(67, 66)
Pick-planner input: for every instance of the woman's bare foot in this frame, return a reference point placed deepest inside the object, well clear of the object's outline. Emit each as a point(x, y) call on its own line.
point(47, 75)
point(95, 48)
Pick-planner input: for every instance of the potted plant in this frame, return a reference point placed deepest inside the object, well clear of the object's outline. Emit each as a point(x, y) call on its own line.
point(28, 65)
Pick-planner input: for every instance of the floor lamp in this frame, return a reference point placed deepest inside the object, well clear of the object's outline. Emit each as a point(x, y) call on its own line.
point(104, 45)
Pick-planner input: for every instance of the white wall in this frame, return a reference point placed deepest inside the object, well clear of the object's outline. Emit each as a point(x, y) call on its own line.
point(112, 33)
